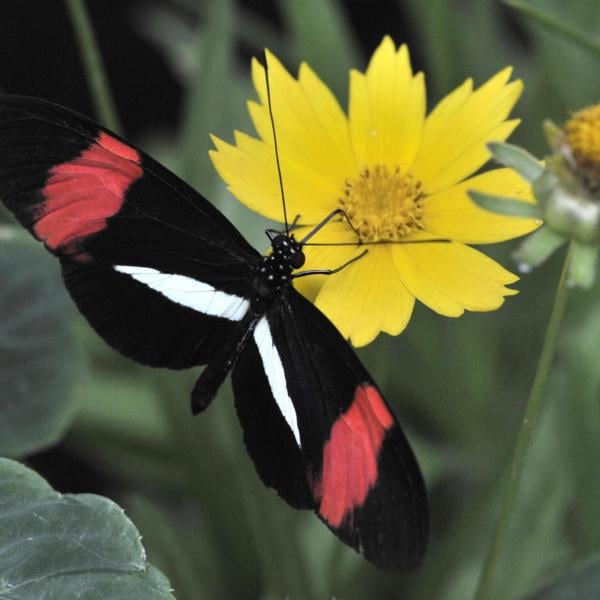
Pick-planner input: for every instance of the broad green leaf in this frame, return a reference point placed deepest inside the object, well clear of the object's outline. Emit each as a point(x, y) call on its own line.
point(56, 547)
point(37, 357)
point(581, 582)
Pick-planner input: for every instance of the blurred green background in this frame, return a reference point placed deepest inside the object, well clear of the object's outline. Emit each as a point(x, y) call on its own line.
point(179, 71)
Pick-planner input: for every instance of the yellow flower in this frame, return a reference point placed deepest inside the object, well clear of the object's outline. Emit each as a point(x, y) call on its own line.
point(401, 177)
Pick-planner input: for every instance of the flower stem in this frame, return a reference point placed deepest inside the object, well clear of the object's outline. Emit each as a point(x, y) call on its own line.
point(94, 67)
point(530, 418)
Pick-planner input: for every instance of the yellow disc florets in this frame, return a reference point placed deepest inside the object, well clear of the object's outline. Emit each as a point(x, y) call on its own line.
point(383, 204)
point(582, 135)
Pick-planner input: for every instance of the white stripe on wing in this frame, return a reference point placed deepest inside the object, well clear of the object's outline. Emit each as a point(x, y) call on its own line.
point(275, 375)
point(190, 292)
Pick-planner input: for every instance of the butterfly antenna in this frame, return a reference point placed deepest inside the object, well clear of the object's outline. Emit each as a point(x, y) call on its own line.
point(285, 219)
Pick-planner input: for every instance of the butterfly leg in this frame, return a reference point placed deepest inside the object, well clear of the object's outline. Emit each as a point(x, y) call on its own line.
point(335, 213)
point(329, 271)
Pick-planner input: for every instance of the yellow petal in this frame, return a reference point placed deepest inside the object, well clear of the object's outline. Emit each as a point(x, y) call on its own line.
point(452, 214)
point(367, 297)
point(250, 171)
point(458, 129)
point(387, 109)
point(311, 128)
point(452, 277)
point(326, 256)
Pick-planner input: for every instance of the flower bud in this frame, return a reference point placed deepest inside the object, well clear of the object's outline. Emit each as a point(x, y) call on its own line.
point(582, 142)
point(566, 187)
point(567, 206)
point(569, 189)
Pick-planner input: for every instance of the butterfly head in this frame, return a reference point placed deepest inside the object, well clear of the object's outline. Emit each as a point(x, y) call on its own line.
point(275, 270)
point(288, 251)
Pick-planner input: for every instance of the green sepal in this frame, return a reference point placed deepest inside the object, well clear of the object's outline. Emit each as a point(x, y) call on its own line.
point(506, 206)
point(537, 248)
point(582, 269)
point(567, 207)
point(554, 134)
point(524, 163)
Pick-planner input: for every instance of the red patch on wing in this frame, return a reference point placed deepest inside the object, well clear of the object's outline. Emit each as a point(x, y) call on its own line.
point(350, 455)
point(80, 195)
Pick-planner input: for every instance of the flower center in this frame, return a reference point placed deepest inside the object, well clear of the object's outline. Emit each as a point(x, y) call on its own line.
point(583, 137)
point(383, 204)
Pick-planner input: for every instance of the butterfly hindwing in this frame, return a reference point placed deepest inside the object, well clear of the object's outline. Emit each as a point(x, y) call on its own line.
point(268, 436)
point(332, 444)
point(155, 268)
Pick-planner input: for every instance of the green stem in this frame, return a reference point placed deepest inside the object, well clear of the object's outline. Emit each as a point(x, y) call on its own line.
point(530, 418)
point(554, 24)
point(94, 67)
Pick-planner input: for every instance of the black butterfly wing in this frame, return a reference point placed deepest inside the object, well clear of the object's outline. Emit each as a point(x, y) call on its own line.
point(167, 280)
point(156, 269)
point(320, 433)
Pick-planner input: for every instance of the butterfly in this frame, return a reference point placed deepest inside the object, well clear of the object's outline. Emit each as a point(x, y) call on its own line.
point(165, 279)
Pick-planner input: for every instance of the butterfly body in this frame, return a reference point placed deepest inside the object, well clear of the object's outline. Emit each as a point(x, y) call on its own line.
point(275, 271)
point(168, 281)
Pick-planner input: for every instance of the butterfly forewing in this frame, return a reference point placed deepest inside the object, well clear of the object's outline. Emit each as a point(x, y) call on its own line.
point(155, 268)
point(332, 443)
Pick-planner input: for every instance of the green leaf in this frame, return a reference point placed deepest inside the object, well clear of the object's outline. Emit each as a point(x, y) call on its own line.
point(506, 206)
point(434, 20)
point(94, 65)
point(517, 158)
point(119, 425)
point(544, 18)
point(579, 413)
point(174, 536)
point(562, 60)
point(322, 37)
point(209, 94)
point(535, 538)
point(582, 581)
point(36, 352)
point(68, 546)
